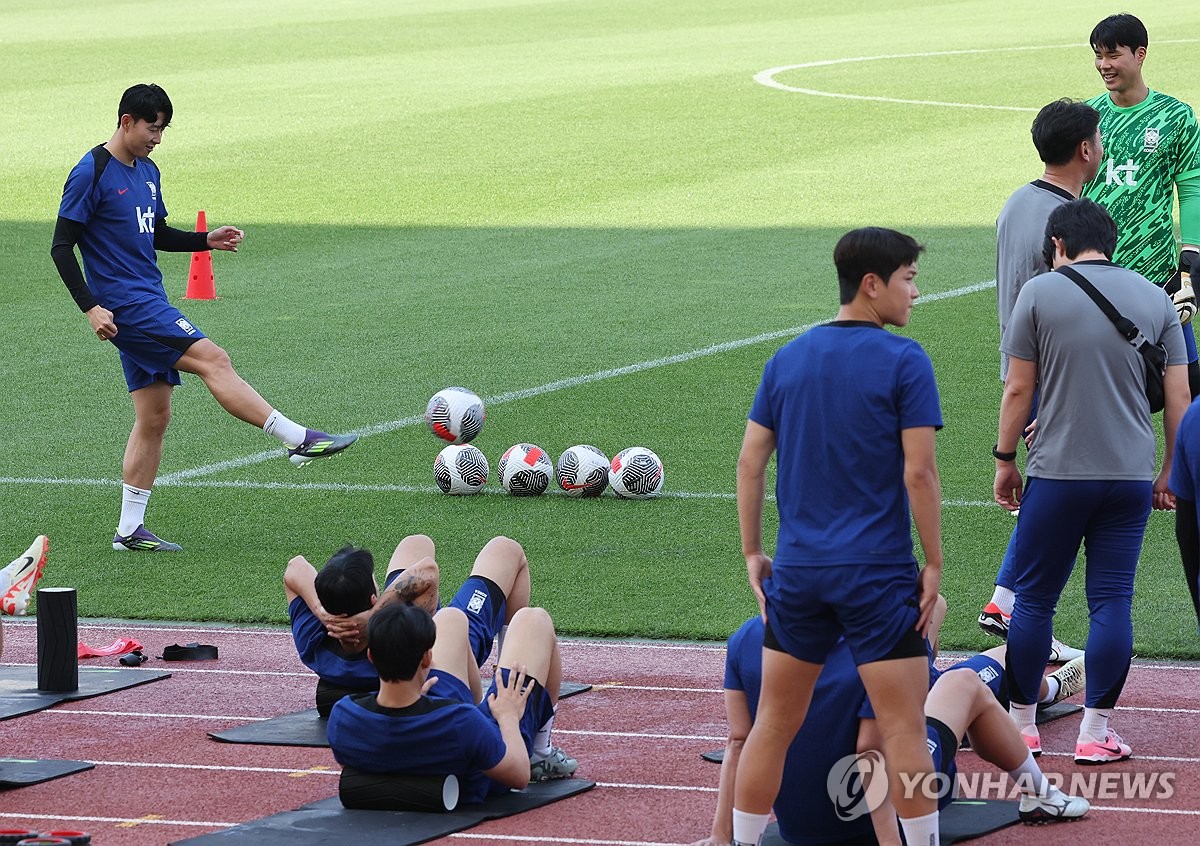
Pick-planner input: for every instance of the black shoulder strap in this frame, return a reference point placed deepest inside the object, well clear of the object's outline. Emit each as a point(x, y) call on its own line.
point(100, 159)
point(1124, 325)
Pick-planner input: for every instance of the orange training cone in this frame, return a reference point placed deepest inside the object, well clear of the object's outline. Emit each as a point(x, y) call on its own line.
point(201, 284)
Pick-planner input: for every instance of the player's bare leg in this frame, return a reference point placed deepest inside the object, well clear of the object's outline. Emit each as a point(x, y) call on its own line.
point(139, 468)
point(503, 561)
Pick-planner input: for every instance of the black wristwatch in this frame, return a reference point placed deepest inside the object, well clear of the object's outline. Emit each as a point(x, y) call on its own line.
point(1003, 456)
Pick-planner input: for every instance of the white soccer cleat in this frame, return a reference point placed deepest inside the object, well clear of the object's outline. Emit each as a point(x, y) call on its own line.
point(23, 575)
point(1060, 653)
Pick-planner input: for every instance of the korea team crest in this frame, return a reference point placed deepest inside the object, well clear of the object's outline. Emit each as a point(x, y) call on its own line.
point(183, 324)
point(476, 603)
point(1150, 141)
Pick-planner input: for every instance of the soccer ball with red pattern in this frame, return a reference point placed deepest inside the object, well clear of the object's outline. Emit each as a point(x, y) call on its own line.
point(455, 415)
point(525, 470)
point(636, 473)
point(582, 471)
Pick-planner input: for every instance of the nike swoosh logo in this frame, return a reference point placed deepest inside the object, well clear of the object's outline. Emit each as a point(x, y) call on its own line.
point(122, 190)
point(1116, 750)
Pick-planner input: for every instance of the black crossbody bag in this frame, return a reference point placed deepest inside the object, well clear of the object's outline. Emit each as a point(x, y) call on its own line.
point(1153, 355)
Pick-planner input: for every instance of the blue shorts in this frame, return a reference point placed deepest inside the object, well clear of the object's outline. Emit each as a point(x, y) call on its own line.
point(943, 746)
point(151, 337)
point(538, 709)
point(483, 602)
point(990, 672)
point(874, 606)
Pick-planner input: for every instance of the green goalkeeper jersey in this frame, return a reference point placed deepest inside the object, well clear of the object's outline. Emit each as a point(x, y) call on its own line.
point(1147, 149)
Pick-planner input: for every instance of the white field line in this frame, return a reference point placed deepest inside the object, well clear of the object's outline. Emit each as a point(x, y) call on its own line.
point(767, 77)
point(557, 385)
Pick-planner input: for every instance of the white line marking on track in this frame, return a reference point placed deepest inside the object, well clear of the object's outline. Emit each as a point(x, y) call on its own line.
point(1162, 710)
point(1138, 757)
point(698, 737)
point(131, 820)
point(687, 787)
point(525, 838)
point(71, 711)
point(1182, 812)
point(160, 765)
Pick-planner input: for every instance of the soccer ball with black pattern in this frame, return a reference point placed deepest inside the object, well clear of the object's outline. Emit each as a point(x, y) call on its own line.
point(460, 469)
point(455, 415)
point(525, 470)
point(582, 471)
point(636, 473)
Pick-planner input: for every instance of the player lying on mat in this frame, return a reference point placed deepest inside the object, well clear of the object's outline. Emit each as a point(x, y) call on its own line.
point(805, 810)
point(426, 719)
point(329, 610)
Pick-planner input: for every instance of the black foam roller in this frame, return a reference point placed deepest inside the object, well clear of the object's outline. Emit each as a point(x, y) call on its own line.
point(57, 639)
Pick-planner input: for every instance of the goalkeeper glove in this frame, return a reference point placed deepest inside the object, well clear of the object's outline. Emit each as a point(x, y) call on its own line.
point(1184, 297)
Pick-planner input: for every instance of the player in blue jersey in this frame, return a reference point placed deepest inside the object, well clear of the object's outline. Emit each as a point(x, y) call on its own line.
point(426, 720)
point(112, 209)
point(329, 610)
point(1185, 485)
point(850, 411)
point(840, 724)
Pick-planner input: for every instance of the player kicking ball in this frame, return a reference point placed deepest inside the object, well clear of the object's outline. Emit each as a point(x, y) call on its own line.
point(112, 209)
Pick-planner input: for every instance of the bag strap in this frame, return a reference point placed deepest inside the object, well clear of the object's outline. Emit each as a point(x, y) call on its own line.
point(1125, 326)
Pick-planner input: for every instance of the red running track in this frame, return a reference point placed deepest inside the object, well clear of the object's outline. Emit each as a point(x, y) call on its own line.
point(639, 735)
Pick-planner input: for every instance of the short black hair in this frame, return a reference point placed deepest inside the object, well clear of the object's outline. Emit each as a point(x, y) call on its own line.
point(346, 583)
point(1060, 127)
point(1081, 225)
point(1123, 30)
point(398, 636)
point(872, 249)
point(145, 102)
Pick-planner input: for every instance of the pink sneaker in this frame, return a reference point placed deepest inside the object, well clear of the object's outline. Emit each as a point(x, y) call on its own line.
point(1095, 752)
point(1033, 741)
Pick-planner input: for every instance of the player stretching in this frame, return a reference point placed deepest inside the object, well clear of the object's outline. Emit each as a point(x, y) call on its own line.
point(1151, 141)
point(112, 207)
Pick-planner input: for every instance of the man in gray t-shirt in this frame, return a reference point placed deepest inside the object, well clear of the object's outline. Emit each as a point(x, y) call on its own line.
point(1091, 468)
point(1066, 134)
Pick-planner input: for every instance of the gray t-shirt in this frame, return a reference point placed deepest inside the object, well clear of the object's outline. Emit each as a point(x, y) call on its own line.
point(1093, 416)
point(1020, 232)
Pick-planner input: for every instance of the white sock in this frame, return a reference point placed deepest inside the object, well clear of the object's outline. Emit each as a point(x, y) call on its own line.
point(1052, 688)
point(1095, 724)
point(1004, 599)
point(133, 509)
point(1025, 716)
point(748, 828)
point(1031, 775)
point(289, 433)
point(921, 831)
point(541, 740)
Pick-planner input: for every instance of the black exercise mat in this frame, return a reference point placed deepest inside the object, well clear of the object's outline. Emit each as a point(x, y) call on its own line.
point(19, 694)
point(962, 819)
point(328, 822)
point(20, 772)
point(306, 728)
point(303, 728)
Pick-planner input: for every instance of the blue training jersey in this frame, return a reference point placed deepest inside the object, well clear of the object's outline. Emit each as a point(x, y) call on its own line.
point(838, 398)
point(806, 813)
point(442, 734)
point(117, 211)
point(320, 653)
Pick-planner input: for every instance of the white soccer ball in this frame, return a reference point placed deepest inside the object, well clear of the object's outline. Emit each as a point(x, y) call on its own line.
point(582, 471)
point(455, 415)
point(636, 473)
point(525, 470)
point(460, 469)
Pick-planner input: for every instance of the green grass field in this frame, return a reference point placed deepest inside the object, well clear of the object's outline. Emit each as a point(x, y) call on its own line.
point(509, 195)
